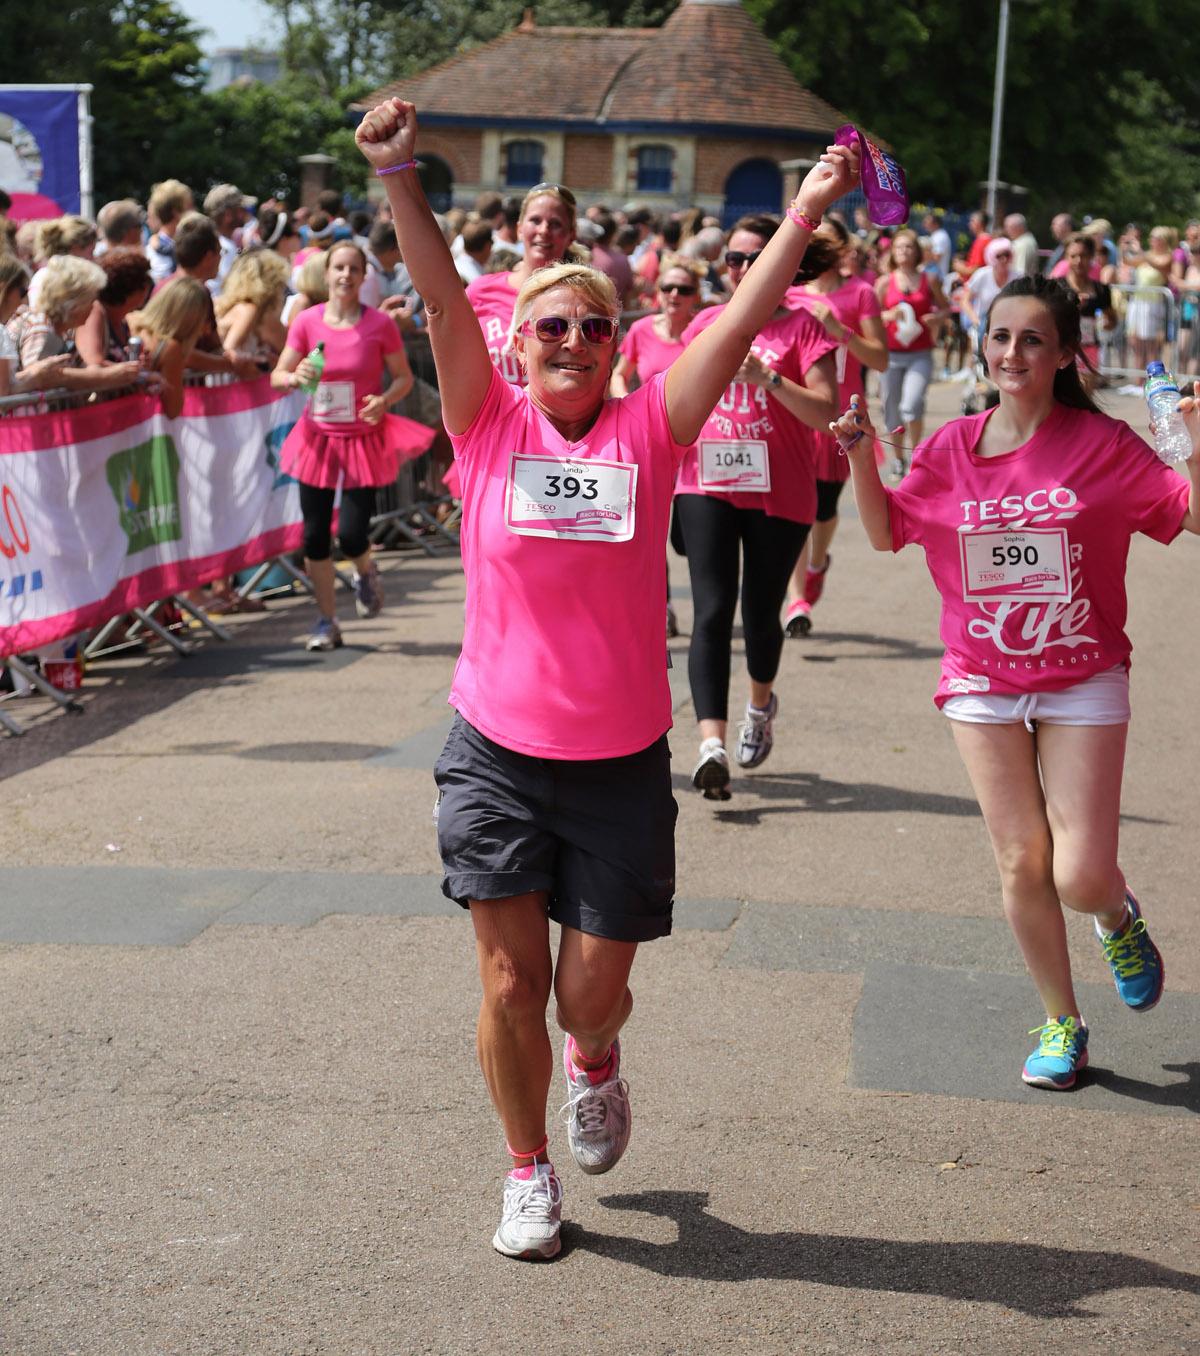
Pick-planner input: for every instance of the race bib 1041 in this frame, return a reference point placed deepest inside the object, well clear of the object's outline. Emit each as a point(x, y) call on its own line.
point(1012, 565)
point(570, 500)
point(735, 467)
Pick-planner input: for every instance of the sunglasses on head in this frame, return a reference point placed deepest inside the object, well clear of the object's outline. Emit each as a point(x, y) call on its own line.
point(564, 193)
point(683, 289)
point(553, 329)
point(737, 259)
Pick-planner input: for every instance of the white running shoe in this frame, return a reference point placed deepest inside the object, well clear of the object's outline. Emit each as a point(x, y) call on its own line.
point(711, 773)
point(532, 1216)
point(597, 1114)
point(756, 734)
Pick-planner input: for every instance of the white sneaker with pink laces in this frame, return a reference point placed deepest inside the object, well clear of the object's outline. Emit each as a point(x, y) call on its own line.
point(532, 1215)
point(597, 1111)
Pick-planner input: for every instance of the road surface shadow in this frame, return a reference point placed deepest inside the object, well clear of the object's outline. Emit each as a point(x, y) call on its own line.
point(1185, 1094)
point(1042, 1282)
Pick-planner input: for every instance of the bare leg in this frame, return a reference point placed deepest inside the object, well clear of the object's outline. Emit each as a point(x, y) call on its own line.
point(1082, 766)
point(821, 538)
point(512, 941)
point(591, 986)
point(320, 572)
point(1001, 761)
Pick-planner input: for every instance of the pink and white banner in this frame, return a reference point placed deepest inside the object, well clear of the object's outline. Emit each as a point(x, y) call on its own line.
point(114, 506)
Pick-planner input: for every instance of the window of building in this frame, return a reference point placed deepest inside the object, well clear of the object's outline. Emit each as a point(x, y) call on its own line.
point(524, 164)
point(655, 169)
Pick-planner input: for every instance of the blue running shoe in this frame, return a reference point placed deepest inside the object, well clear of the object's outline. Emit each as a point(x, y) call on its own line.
point(1134, 960)
point(1061, 1053)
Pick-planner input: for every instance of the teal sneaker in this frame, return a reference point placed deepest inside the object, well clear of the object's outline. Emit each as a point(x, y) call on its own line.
point(1135, 962)
point(1061, 1053)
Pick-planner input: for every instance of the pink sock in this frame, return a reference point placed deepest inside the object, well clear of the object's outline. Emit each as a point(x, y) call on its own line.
point(600, 1075)
point(524, 1174)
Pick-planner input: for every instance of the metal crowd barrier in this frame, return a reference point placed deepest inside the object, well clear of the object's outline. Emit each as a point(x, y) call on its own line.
point(1147, 330)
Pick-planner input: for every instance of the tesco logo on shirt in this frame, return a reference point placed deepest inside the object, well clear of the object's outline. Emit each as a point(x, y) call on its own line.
point(1060, 499)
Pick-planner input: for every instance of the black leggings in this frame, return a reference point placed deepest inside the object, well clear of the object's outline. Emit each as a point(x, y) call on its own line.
point(715, 533)
point(828, 494)
point(354, 520)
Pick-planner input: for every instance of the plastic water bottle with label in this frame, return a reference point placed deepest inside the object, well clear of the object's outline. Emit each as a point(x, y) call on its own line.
point(316, 358)
point(1171, 438)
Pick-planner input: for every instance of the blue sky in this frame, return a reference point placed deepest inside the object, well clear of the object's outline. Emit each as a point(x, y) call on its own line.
point(234, 23)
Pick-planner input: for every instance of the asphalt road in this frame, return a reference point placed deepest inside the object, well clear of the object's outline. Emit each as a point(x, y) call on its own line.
point(240, 1111)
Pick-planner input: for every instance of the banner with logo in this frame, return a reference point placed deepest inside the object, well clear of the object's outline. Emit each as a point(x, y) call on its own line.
point(114, 506)
point(44, 150)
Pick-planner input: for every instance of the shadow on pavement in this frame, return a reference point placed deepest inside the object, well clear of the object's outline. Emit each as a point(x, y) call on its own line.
point(1039, 1281)
point(879, 647)
point(1185, 1094)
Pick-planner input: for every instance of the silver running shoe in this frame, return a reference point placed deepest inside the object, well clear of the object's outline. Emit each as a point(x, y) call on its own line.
point(368, 592)
point(711, 773)
point(326, 635)
point(532, 1215)
point(756, 734)
point(597, 1115)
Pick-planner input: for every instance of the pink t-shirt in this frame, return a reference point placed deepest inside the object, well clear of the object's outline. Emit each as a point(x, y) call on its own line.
point(353, 364)
point(563, 653)
point(1003, 534)
point(649, 354)
point(494, 300)
point(1062, 268)
point(748, 414)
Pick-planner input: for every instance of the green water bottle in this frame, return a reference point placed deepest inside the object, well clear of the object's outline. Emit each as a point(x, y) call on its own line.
point(315, 359)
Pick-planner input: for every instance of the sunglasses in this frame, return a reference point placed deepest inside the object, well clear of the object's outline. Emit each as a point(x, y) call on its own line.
point(683, 289)
point(553, 329)
point(736, 259)
point(564, 193)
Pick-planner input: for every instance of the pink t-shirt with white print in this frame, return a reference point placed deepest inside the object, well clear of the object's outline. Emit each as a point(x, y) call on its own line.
point(1028, 549)
point(563, 546)
point(853, 302)
point(494, 299)
point(749, 424)
point(649, 353)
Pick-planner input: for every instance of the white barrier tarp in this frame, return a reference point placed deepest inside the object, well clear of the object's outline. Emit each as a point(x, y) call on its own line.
point(113, 506)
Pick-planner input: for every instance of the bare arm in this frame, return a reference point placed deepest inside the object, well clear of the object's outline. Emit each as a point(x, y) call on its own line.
point(619, 385)
point(292, 370)
point(814, 403)
point(1189, 407)
point(709, 364)
point(374, 407)
point(869, 347)
point(855, 433)
point(170, 367)
point(89, 338)
point(387, 136)
point(236, 326)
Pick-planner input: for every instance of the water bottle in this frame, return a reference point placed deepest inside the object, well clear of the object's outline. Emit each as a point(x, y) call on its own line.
point(1171, 437)
point(317, 359)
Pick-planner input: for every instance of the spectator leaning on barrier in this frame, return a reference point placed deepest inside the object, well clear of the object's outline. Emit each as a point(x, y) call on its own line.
point(250, 306)
point(104, 335)
point(120, 225)
point(169, 328)
point(169, 203)
point(14, 286)
point(224, 205)
point(69, 289)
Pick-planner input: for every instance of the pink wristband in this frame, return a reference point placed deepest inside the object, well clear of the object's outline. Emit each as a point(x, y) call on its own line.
point(395, 169)
point(802, 219)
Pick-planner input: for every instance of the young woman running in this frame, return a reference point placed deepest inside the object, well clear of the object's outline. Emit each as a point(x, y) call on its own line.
point(1025, 513)
point(746, 497)
point(555, 786)
point(346, 436)
point(849, 310)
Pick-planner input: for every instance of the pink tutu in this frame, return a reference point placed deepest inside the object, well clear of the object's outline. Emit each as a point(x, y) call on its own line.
point(831, 462)
point(370, 457)
point(452, 479)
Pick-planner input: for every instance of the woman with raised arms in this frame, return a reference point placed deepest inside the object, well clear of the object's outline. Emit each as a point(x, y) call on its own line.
point(554, 786)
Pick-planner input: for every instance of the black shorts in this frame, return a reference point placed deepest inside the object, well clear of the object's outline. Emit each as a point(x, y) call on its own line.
point(598, 835)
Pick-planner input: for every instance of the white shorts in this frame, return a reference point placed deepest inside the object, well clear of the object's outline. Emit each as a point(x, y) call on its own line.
point(1101, 700)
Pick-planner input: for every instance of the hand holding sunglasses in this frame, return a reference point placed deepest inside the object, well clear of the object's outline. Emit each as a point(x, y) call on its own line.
point(553, 329)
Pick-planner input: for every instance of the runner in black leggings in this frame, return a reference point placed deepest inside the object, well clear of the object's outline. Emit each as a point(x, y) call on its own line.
point(747, 492)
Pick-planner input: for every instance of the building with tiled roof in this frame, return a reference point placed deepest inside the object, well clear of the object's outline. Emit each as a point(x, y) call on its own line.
point(701, 111)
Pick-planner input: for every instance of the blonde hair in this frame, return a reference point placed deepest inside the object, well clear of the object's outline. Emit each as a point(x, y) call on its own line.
point(67, 282)
point(596, 287)
point(12, 272)
point(311, 280)
point(64, 234)
point(169, 200)
point(259, 277)
point(564, 196)
point(180, 311)
point(697, 269)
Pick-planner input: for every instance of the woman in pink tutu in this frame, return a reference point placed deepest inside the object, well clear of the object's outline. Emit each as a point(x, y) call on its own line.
point(345, 436)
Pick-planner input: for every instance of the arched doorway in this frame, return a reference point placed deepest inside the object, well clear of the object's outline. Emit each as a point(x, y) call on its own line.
point(754, 186)
point(437, 179)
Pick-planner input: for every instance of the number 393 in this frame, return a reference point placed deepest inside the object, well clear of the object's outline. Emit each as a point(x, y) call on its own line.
point(570, 487)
